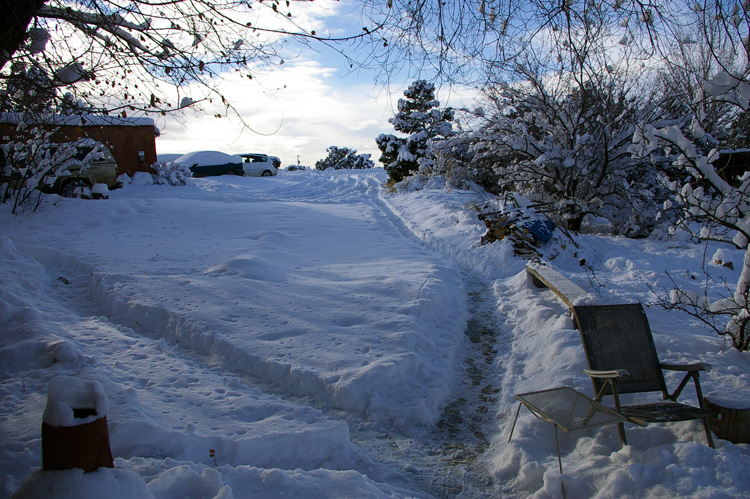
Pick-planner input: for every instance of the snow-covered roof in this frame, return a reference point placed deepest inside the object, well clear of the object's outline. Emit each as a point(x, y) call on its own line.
point(77, 120)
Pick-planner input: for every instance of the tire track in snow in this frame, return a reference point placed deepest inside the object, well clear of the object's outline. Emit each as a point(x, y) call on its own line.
point(177, 401)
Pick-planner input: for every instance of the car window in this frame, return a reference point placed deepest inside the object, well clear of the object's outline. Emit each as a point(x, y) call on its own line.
point(80, 153)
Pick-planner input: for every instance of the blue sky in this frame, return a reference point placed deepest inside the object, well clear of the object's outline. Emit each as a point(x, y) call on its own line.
point(309, 103)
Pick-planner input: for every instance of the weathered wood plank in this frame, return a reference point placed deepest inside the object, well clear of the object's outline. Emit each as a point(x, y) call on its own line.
point(564, 288)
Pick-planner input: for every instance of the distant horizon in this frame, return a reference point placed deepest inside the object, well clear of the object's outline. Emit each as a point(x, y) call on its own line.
point(300, 110)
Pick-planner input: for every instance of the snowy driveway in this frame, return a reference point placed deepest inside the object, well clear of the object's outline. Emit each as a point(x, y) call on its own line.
point(304, 282)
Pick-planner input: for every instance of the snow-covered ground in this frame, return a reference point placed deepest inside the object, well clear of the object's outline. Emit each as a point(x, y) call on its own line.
point(315, 331)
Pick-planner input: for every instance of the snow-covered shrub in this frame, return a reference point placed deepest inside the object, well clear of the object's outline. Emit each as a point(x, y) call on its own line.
point(566, 147)
point(343, 158)
point(172, 173)
point(453, 157)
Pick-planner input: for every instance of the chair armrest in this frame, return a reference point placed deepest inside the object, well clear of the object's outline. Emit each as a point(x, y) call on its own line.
point(696, 366)
point(616, 373)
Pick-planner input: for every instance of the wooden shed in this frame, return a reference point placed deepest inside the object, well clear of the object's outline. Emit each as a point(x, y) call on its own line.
point(132, 141)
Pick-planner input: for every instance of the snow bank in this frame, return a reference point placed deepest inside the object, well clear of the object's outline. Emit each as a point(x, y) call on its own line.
point(113, 483)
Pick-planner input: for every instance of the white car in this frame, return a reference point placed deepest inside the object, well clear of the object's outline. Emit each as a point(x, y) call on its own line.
point(260, 165)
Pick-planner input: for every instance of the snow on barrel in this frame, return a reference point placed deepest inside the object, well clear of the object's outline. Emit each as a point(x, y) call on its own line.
point(74, 426)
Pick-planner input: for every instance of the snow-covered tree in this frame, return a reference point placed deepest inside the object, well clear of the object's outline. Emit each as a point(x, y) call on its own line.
point(577, 40)
point(421, 119)
point(566, 147)
point(172, 173)
point(343, 158)
point(713, 207)
point(454, 159)
point(33, 165)
point(134, 56)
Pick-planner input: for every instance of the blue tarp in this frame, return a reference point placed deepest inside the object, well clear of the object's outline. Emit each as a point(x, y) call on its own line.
point(540, 229)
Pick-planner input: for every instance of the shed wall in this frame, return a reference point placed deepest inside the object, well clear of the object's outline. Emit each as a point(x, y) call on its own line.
point(125, 142)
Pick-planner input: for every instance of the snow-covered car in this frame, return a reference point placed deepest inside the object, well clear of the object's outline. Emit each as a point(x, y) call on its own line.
point(79, 181)
point(211, 163)
point(260, 165)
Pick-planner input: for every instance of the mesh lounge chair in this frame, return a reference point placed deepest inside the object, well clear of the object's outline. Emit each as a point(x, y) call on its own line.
point(622, 359)
point(568, 409)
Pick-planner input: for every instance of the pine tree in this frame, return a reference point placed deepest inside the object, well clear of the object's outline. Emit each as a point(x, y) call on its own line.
point(418, 116)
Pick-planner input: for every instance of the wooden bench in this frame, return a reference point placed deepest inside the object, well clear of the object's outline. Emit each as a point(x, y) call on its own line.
point(544, 276)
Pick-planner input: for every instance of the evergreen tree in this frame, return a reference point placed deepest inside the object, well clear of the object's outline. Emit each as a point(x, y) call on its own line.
point(418, 116)
point(343, 158)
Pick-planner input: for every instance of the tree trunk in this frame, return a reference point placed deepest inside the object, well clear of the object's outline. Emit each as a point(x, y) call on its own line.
point(732, 424)
point(15, 16)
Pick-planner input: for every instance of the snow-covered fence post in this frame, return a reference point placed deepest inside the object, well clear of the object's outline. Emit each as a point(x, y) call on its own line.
point(74, 426)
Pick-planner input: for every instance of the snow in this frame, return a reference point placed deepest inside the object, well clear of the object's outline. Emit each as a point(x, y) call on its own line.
point(79, 119)
point(66, 393)
point(306, 335)
point(100, 190)
point(207, 158)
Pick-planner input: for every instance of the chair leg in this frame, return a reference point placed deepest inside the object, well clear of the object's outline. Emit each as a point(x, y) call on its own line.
point(621, 434)
point(709, 437)
point(618, 409)
point(557, 444)
point(514, 422)
point(699, 393)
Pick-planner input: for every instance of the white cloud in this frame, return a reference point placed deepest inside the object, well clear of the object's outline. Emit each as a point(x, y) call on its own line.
point(299, 109)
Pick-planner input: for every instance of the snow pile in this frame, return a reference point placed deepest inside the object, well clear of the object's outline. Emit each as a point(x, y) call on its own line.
point(74, 484)
point(252, 336)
